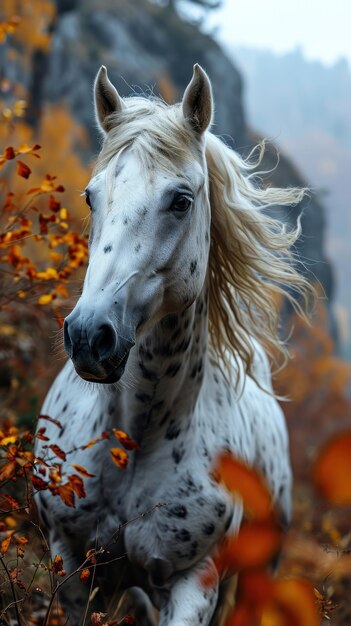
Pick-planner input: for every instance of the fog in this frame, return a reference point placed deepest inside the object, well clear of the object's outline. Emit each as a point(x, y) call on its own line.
point(320, 27)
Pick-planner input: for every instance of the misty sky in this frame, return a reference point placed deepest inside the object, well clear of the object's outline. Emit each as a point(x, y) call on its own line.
point(321, 27)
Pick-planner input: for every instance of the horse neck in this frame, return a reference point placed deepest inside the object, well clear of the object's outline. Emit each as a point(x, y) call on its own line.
point(164, 374)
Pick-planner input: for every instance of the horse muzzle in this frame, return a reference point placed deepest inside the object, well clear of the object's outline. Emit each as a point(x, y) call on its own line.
point(98, 351)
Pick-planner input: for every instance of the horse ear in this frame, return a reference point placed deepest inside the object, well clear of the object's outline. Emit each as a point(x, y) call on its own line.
point(107, 99)
point(197, 100)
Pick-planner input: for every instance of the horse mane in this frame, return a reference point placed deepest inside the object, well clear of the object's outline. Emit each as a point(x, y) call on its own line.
point(251, 263)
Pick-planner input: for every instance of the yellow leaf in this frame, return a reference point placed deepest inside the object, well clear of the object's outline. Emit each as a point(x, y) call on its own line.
point(6, 113)
point(49, 274)
point(24, 148)
point(9, 439)
point(19, 109)
point(127, 442)
point(7, 330)
point(45, 298)
point(91, 443)
point(46, 186)
point(56, 257)
point(119, 457)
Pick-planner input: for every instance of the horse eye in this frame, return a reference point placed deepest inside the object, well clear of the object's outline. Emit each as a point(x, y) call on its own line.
point(182, 204)
point(87, 199)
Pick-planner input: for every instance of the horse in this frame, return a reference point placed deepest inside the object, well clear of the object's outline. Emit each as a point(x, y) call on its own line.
point(186, 267)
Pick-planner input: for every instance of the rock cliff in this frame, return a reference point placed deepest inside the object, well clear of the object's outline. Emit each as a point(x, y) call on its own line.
point(148, 47)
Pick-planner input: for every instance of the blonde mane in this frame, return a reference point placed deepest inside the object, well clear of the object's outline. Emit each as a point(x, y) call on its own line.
point(251, 263)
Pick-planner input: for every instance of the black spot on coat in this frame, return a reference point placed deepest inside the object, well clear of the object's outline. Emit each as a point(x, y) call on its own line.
point(173, 369)
point(178, 510)
point(183, 535)
point(208, 529)
point(177, 455)
point(193, 266)
point(173, 431)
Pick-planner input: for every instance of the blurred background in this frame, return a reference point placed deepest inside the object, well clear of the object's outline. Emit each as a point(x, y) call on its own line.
point(281, 71)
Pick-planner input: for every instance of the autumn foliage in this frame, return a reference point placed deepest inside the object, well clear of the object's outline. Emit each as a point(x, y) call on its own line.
point(43, 247)
point(41, 250)
point(261, 598)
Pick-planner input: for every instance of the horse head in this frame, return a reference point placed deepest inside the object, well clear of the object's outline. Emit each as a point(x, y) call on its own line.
point(150, 222)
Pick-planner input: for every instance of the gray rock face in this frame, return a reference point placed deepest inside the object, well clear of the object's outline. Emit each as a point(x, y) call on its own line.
point(140, 43)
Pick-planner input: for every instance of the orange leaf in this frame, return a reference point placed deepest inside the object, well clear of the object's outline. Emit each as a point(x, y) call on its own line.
point(77, 485)
point(54, 205)
point(257, 586)
point(247, 483)
point(254, 546)
point(21, 540)
point(61, 291)
point(23, 170)
point(263, 600)
point(85, 574)
point(39, 483)
point(296, 602)
point(5, 544)
point(50, 419)
point(66, 494)
point(10, 521)
point(90, 553)
point(83, 471)
point(127, 442)
point(119, 457)
point(57, 564)
point(59, 320)
point(91, 443)
point(9, 153)
point(332, 470)
point(7, 470)
point(40, 434)
point(57, 450)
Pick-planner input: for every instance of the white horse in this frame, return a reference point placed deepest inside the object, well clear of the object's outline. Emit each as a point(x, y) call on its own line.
point(185, 266)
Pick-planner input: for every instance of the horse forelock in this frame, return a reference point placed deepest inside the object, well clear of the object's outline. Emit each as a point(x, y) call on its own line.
point(251, 263)
point(155, 130)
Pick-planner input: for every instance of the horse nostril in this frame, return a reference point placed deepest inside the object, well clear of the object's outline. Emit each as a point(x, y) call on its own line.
point(67, 339)
point(103, 344)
